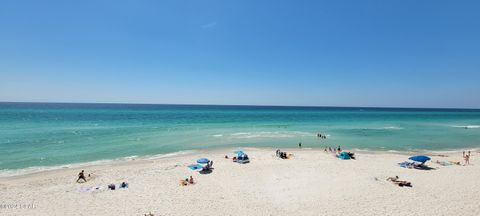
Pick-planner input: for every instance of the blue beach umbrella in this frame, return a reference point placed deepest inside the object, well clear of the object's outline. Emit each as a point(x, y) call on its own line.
point(420, 158)
point(203, 160)
point(239, 152)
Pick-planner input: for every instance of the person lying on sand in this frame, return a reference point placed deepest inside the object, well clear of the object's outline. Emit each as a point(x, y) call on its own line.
point(398, 182)
point(455, 162)
point(392, 178)
point(184, 182)
point(403, 183)
point(81, 175)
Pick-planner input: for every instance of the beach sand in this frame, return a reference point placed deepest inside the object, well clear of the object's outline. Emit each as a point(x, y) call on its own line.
point(311, 183)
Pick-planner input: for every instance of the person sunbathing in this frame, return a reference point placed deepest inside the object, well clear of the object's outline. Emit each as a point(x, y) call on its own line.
point(403, 183)
point(392, 179)
point(455, 162)
point(398, 182)
point(184, 182)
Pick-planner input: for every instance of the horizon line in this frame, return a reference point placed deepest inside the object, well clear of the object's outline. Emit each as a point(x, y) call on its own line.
point(244, 105)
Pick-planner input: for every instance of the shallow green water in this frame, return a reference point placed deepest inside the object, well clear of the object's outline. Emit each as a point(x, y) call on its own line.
point(40, 134)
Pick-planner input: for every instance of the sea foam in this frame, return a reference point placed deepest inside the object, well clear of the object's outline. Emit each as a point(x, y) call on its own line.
point(467, 126)
point(270, 134)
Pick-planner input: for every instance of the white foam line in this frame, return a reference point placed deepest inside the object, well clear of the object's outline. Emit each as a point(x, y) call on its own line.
point(37, 169)
point(466, 126)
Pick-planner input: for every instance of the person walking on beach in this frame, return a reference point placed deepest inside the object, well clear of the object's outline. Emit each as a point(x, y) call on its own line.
point(81, 175)
point(467, 158)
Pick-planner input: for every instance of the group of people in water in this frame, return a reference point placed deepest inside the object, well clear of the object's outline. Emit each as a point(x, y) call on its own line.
point(321, 136)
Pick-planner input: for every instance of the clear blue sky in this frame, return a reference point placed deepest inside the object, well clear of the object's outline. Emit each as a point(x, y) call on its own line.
point(397, 53)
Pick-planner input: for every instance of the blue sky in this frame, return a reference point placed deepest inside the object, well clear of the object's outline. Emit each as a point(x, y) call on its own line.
point(320, 53)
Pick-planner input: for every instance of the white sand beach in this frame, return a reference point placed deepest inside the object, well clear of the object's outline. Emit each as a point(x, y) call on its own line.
point(311, 183)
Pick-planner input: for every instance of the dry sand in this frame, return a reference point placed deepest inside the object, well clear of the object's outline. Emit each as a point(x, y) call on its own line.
point(312, 183)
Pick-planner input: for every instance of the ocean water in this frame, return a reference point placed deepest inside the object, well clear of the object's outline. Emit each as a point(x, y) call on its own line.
point(51, 134)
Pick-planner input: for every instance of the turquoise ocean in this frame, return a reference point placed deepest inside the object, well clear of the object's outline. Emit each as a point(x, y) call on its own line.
point(42, 135)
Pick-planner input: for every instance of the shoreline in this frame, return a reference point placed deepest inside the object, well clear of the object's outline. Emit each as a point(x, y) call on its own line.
point(18, 173)
point(309, 183)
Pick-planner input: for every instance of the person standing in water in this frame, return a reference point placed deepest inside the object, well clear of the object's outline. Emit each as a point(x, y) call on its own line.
point(300, 145)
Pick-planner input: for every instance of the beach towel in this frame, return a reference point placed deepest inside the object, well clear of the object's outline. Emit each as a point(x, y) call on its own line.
point(195, 166)
point(407, 164)
point(90, 189)
point(444, 163)
point(344, 156)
